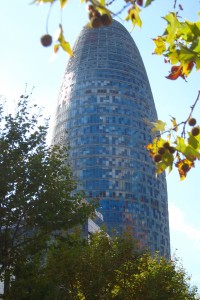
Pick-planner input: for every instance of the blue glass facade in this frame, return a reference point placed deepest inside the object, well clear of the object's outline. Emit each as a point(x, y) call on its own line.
point(103, 103)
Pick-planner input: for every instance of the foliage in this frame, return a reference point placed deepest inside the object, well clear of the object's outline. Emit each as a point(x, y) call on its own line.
point(104, 269)
point(181, 150)
point(180, 44)
point(37, 190)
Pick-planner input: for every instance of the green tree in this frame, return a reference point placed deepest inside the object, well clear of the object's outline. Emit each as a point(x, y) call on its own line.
point(37, 189)
point(103, 269)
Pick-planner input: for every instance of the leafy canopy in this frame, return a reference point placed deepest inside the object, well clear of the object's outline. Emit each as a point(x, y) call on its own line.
point(103, 269)
point(37, 189)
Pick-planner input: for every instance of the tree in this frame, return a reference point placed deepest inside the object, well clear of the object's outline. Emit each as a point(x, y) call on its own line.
point(103, 269)
point(37, 190)
point(180, 47)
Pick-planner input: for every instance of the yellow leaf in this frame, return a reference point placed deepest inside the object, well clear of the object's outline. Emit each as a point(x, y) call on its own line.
point(102, 2)
point(184, 167)
point(160, 45)
point(175, 127)
point(158, 126)
point(62, 3)
point(56, 48)
point(134, 16)
point(63, 43)
point(66, 47)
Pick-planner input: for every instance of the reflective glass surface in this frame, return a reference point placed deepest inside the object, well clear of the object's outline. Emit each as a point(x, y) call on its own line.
point(104, 103)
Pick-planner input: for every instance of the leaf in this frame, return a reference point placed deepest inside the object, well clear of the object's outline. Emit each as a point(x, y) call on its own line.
point(63, 43)
point(176, 71)
point(194, 141)
point(167, 160)
point(160, 45)
point(158, 126)
point(102, 2)
point(66, 47)
point(186, 149)
point(186, 54)
point(197, 61)
point(148, 2)
point(174, 123)
point(56, 48)
point(187, 68)
point(172, 28)
point(63, 3)
point(184, 167)
point(134, 16)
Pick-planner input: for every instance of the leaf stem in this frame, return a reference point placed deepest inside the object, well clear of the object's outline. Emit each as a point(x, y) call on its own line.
point(48, 15)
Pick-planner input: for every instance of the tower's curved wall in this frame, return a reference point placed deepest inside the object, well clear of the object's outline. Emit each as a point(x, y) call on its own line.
point(104, 101)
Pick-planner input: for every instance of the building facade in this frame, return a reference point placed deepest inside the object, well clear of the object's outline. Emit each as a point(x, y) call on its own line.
point(104, 102)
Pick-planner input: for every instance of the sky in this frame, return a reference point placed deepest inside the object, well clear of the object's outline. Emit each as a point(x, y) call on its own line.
point(24, 61)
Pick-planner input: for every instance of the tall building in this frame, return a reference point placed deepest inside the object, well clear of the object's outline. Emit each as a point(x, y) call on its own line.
point(104, 102)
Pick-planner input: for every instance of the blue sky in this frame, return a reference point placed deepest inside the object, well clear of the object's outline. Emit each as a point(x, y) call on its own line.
point(24, 60)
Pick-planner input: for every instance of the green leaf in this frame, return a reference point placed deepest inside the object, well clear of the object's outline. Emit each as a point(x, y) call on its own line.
point(194, 141)
point(196, 47)
point(187, 150)
point(148, 2)
point(197, 61)
point(194, 28)
point(172, 28)
point(186, 54)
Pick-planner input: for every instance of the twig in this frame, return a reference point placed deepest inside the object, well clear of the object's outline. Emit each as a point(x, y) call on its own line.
point(192, 108)
point(183, 122)
point(175, 3)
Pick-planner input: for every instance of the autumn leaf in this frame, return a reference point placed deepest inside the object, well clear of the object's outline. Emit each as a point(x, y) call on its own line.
point(176, 71)
point(56, 48)
point(134, 16)
point(184, 167)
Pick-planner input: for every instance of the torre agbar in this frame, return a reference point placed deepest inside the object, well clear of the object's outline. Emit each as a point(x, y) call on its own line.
point(103, 107)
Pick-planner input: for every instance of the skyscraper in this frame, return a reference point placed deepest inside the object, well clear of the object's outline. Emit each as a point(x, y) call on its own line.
point(104, 102)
